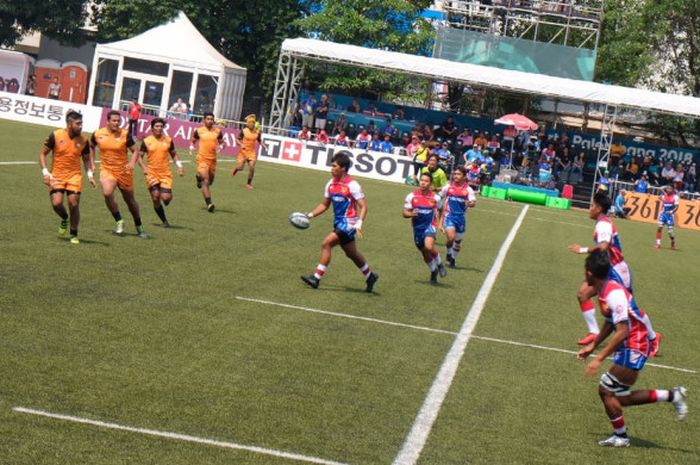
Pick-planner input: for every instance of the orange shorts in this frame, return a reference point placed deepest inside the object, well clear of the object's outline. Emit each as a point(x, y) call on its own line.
point(124, 178)
point(162, 179)
point(247, 156)
point(206, 164)
point(72, 183)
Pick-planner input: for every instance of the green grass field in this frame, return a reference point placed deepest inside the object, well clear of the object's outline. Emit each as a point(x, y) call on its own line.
point(155, 333)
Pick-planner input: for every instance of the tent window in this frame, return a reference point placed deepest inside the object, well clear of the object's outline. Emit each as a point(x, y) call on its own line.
point(180, 87)
point(205, 94)
point(105, 82)
point(146, 66)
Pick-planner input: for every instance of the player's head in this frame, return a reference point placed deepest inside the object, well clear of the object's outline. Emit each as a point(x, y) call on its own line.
point(600, 206)
point(432, 161)
point(597, 266)
point(459, 174)
point(74, 123)
point(113, 120)
point(340, 164)
point(208, 119)
point(157, 125)
point(250, 121)
point(425, 181)
point(669, 188)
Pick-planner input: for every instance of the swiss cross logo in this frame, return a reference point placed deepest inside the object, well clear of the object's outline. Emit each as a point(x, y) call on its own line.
point(291, 151)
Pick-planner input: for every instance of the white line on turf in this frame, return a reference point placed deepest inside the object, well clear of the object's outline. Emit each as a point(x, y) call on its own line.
point(180, 437)
point(434, 330)
point(417, 437)
point(18, 162)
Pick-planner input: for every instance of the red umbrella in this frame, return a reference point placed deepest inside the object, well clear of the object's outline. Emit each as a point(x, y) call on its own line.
point(521, 123)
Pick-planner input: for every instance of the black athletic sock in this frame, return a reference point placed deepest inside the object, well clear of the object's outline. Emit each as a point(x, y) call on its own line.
point(161, 213)
point(74, 232)
point(167, 202)
point(207, 200)
point(63, 215)
point(117, 216)
point(137, 222)
point(250, 180)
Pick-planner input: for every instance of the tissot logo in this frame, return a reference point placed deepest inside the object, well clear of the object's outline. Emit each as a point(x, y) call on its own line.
point(291, 151)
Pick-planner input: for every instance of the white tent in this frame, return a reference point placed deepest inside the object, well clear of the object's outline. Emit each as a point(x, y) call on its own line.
point(165, 63)
point(15, 68)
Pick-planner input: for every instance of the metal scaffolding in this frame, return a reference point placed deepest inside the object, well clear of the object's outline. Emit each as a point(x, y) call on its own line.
point(289, 72)
point(607, 131)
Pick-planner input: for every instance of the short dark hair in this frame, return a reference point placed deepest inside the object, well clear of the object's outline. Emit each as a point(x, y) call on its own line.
point(603, 201)
point(432, 155)
point(73, 115)
point(155, 121)
point(208, 113)
point(427, 173)
point(461, 169)
point(112, 113)
point(598, 264)
point(343, 160)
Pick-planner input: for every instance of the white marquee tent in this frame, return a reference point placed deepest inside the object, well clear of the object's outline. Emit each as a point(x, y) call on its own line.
point(165, 63)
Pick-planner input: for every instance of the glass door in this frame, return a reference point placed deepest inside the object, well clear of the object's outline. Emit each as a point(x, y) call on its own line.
point(153, 93)
point(131, 89)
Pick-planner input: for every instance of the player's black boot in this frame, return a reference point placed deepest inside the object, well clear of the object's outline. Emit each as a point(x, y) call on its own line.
point(451, 261)
point(371, 279)
point(311, 280)
point(433, 276)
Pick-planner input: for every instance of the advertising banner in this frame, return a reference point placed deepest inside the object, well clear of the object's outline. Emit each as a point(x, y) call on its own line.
point(47, 112)
point(647, 208)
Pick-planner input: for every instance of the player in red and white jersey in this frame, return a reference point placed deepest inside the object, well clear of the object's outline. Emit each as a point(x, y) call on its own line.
point(345, 194)
point(607, 240)
point(629, 347)
point(458, 196)
point(669, 206)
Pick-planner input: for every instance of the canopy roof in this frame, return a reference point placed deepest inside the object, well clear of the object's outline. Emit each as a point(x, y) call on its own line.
point(494, 78)
point(176, 41)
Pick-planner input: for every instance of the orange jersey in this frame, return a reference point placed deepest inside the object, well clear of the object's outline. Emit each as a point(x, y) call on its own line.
point(208, 141)
point(158, 151)
point(248, 139)
point(113, 148)
point(67, 153)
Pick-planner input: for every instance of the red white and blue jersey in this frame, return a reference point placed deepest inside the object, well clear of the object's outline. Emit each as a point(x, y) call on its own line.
point(617, 305)
point(605, 231)
point(456, 198)
point(669, 203)
point(425, 205)
point(344, 194)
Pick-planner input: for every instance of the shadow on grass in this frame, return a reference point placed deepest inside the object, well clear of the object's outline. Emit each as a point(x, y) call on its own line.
point(173, 226)
point(94, 242)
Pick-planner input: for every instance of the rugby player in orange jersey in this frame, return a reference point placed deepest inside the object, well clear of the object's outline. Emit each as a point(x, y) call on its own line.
point(116, 169)
point(249, 137)
point(65, 178)
point(159, 179)
point(210, 140)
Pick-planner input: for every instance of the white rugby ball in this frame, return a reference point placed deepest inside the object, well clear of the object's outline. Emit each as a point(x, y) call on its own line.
point(299, 220)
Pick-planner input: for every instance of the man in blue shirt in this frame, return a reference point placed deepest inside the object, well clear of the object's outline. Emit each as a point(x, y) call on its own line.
point(386, 146)
point(641, 185)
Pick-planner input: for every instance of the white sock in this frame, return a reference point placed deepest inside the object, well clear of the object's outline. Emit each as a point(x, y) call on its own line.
point(589, 318)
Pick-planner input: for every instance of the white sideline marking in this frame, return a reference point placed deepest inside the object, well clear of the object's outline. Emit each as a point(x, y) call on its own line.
point(19, 162)
point(417, 437)
point(180, 437)
point(345, 315)
point(561, 222)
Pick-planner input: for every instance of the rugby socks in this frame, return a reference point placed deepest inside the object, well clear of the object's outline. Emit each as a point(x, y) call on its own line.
point(434, 263)
point(137, 222)
point(117, 216)
point(619, 427)
point(450, 251)
point(320, 271)
point(658, 238)
point(61, 211)
point(250, 180)
point(207, 200)
point(365, 270)
point(588, 313)
point(660, 395)
point(456, 248)
point(74, 233)
point(160, 211)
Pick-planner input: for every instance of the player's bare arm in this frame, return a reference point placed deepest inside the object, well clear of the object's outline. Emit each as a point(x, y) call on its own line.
point(578, 248)
point(89, 163)
point(43, 153)
point(178, 163)
point(409, 212)
point(320, 208)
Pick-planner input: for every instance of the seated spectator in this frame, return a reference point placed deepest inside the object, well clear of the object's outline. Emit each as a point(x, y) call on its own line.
point(322, 137)
point(545, 172)
point(178, 109)
point(604, 182)
point(448, 128)
point(473, 174)
point(428, 133)
point(376, 143)
point(342, 140)
point(443, 152)
point(632, 170)
point(562, 167)
point(577, 168)
point(354, 107)
point(305, 133)
point(667, 173)
point(678, 176)
point(481, 140)
point(399, 113)
point(363, 140)
point(388, 128)
point(412, 146)
point(548, 155)
point(420, 159)
point(438, 174)
point(372, 128)
point(466, 137)
point(691, 178)
point(654, 173)
point(386, 146)
point(641, 185)
point(473, 153)
point(619, 208)
point(341, 124)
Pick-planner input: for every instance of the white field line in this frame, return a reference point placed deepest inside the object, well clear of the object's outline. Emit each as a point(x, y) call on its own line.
point(547, 220)
point(180, 437)
point(19, 162)
point(417, 437)
point(435, 330)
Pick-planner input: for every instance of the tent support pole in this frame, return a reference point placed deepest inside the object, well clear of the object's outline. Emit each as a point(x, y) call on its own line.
point(607, 130)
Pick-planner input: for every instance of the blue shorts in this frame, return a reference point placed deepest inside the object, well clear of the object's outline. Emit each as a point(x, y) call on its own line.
point(629, 358)
point(419, 236)
point(666, 219)
point(458, 224)
point(345, 234)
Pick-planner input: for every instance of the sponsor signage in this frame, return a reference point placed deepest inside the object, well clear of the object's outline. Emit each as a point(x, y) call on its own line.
point(46, 112)
point(647, 208)
point(641, 149)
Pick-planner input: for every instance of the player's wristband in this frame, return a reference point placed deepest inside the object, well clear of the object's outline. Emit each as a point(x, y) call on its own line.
point(583, 250)
point(45, 172)
point(178, 164)
point(192, 147)
point(310, 215)
point(90, 174)
point(358, 224)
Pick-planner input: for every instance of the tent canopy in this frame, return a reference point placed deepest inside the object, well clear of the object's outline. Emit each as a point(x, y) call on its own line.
point(177, 41)
point(494, 78)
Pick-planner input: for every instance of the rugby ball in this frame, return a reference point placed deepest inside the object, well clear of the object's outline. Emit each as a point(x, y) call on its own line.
point(299, 220)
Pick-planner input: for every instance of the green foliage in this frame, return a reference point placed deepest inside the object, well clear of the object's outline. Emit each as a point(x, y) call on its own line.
point(57, 18)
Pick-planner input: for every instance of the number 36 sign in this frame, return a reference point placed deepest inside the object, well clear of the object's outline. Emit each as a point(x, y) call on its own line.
point(647, 207)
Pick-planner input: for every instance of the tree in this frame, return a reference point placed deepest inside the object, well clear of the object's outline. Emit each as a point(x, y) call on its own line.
point(60, 19)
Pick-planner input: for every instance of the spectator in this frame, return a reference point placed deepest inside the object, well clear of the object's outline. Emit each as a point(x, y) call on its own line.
point(466, 137)
point(678, 176)
point(473, 153)
point(510, 133)
point(30, 88)
point(399, 113)
point(577, 168)
point(321, 113)
point(654, 173)
point(134, 115)
point(405, 140)
point(341, 123)
point(563, 165)
point(54, 91)
point(305, 134)
point(428, 133)
point(690, 178)
point(619, 206)
point(667, 173)
point(178, 109)
point(632, 169)
point(444, 155)
point(473, 175)
point(548, 155)
point(354, 107)
point(322, 137)
point(448, 128)
point(494, 145)
point(307, 108)
point(372, 128)
point(438, 174)
point(376, 143)
point(387, 146)
point(412, 147)
point(481, 141)
point(421, 157)
point(363, 139)
point(641, 185)
point(545, 172)
point(342, 140)
point(617, 150)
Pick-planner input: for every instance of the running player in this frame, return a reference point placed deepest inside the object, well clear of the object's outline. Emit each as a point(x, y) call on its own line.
point(210, 140)
point(629, 347)
point(346, 195)
point(423, 207)
point(606, 239)
point(457, 197)
point(249, 137)
point(159, 178)
point(65, 178)
point(669, 206)
point(116, 170)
